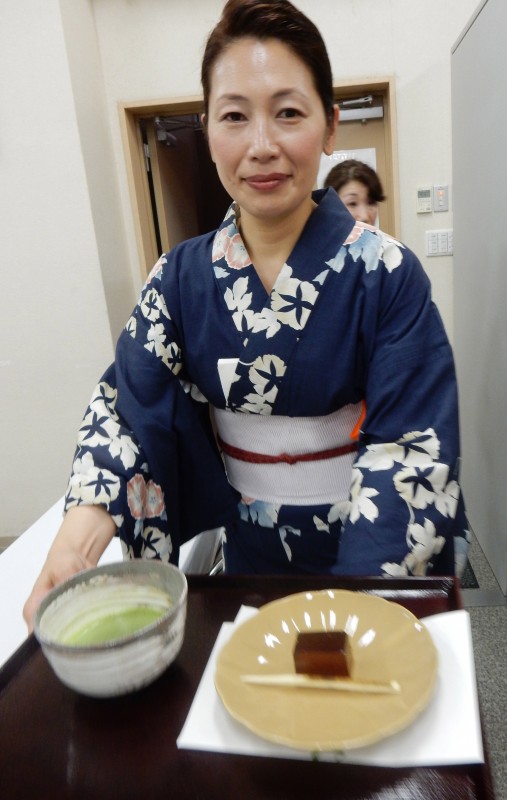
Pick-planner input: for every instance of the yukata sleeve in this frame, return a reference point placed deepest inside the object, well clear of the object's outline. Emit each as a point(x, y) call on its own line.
point(145, 450)
point(406, 511)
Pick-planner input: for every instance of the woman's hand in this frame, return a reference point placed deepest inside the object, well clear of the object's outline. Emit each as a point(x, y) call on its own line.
point(82, 538)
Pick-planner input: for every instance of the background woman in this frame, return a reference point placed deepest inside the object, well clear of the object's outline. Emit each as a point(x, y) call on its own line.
point(359, 188)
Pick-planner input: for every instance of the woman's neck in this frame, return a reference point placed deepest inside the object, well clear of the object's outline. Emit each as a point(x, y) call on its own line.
point(270, 242)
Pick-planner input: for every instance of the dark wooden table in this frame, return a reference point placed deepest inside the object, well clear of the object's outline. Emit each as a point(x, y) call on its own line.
point(57, 744)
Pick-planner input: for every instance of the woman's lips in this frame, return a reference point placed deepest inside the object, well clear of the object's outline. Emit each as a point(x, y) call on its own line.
point(266, 183)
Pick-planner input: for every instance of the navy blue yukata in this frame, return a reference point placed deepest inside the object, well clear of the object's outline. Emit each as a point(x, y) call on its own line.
point(349, 320)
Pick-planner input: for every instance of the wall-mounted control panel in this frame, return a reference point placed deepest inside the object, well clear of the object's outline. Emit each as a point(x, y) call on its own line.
point(432, 198)
point(440, 198)
point(439, 243)
point(424, 199)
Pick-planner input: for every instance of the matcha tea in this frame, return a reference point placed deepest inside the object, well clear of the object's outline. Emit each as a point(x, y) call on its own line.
point(106, 627)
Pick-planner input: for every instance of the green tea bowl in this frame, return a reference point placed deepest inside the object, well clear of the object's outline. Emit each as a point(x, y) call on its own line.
point(113, 629)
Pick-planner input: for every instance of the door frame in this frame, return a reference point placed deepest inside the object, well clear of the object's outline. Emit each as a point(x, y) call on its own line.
point(135, 157)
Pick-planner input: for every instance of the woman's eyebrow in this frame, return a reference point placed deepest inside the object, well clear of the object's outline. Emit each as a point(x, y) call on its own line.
point(227, 97)
point(280, 95)
point(288, 93)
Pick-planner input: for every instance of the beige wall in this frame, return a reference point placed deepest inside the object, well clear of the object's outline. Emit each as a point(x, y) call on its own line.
point(55, 334)
point(480, 288)
point(152, 49)
point(69, 261)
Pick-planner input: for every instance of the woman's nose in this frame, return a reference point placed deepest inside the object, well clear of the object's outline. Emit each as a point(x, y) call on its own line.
point(364, 213)
point(263, 140)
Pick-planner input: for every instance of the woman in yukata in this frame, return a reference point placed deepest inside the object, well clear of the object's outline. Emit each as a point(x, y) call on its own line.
point(287, 376)
point(359, 188)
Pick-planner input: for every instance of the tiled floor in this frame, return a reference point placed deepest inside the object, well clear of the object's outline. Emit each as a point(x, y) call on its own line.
point(488, 613)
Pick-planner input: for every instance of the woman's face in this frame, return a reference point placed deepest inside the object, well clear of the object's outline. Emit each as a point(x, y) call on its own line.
point(267, 129)
point(354, 195)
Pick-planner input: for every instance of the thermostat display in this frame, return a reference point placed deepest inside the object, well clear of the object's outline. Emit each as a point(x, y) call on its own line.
point(424, 198)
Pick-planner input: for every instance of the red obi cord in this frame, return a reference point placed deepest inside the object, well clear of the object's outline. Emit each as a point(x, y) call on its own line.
point(284, 458)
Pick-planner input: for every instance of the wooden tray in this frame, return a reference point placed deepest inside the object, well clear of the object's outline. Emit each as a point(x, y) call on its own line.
point(55, 743)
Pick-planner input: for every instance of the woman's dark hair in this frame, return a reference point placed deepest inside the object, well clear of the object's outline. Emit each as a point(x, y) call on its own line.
point(352, 170)
point(279, 20)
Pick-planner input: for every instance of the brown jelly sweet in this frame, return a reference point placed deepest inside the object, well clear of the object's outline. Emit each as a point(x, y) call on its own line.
point(323, 653)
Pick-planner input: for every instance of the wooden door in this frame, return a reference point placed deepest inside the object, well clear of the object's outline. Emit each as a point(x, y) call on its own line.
point(177, 194)
point(377, 134)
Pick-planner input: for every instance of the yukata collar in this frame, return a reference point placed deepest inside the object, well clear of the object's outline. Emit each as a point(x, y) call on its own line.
point(270, 326)
point(329, 213)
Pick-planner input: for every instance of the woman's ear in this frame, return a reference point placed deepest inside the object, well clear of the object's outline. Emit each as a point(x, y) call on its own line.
point(329, 143)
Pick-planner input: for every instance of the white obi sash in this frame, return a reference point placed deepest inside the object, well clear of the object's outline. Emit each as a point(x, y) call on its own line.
point(289, 460)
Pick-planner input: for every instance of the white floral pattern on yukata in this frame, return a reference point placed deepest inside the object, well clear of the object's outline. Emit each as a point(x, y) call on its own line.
point(291, 303)
point(421, 482)
point(112, 469)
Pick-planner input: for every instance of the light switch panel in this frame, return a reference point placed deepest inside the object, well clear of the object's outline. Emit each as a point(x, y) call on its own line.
point(441, 198)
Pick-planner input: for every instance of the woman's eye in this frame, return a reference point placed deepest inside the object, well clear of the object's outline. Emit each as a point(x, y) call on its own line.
point(289, 113)
point(233, 116)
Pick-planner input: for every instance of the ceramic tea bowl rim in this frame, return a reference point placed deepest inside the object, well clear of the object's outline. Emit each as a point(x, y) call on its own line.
point(117, 569)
